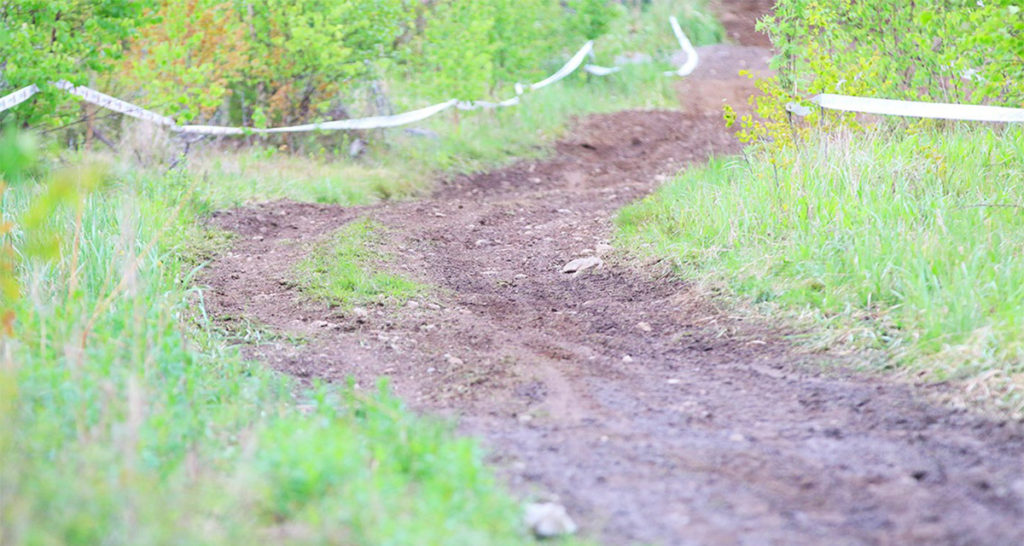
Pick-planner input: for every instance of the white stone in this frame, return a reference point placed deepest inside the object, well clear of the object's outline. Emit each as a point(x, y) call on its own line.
point(582, 264)
point(549, 519)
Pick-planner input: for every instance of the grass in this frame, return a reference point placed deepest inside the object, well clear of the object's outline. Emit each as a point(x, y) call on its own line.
point(344, 270)
point(911, 241)
point(125, 418)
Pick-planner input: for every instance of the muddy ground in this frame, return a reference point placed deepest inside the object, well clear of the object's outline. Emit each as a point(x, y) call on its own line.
point(649, 411)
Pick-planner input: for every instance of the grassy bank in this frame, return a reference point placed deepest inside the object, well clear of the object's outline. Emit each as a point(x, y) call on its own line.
point(903, 240)
point(125, 419)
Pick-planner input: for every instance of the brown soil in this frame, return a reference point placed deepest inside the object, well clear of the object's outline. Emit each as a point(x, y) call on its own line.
point(651, 413)
point(739, 18)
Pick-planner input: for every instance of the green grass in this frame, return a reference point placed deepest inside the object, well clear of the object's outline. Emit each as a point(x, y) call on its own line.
point(126, 419)
point(903, 240)
point(345, 269)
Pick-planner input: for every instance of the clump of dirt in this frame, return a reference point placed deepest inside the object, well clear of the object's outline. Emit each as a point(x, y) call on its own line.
point(652, 414)
point(717, 81)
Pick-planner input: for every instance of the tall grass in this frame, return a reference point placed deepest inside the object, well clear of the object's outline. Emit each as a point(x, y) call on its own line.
point(907, 240)
point(125, 419)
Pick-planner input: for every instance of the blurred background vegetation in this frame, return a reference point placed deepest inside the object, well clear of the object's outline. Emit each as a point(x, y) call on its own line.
point(265, 63)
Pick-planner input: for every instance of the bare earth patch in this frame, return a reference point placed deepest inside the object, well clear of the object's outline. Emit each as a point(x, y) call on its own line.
point(649, 412)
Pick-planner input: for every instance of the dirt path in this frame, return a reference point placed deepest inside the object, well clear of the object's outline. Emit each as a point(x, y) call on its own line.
point(653, 415)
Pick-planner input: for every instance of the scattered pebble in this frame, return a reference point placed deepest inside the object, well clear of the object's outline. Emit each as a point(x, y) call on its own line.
point(627, 358)
point(360, 313)
point(736, 437)
point(549, 519)
point(643, 326)
point(673, 381)
point(413, 304)
point(453, 360)
point(581, 264)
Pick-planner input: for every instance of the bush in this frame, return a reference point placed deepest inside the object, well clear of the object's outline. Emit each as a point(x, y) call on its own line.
point(42, 41)
point(931, 50)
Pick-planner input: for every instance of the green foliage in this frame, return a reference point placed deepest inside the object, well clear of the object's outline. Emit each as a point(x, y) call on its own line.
point(302, 54)
point(470, 48)
point(525, 34)
point(911, 241)
point(185, 62)
point(592, 18)
point(458, 51)
point(42, 41)
point(936, 50)
point(345, 269)
point(947, 50)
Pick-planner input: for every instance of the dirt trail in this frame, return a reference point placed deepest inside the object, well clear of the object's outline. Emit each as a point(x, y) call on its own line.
point(652, 414)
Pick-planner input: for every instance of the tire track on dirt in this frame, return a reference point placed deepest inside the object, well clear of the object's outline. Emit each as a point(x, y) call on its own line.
point(651, 413)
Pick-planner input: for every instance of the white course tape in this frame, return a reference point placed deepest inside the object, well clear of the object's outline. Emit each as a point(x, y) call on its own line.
point(110, 103)
point(934, 110)
point(601, 70)
point(17, 97)
point(486, 105)
point(375, 122)
point(691, 54)
point(569, 67)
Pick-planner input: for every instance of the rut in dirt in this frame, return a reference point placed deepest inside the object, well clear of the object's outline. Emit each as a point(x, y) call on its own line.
point(651, 413)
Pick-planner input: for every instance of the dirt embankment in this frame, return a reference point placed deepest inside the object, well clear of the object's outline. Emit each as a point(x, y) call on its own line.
point(651, 413)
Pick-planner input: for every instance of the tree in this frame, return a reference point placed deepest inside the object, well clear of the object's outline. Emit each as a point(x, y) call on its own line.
point(302, 54)
point(42, 41)
point(186, 59)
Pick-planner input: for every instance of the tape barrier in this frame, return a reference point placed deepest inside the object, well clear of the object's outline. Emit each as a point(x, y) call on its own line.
point(110, 103)
point(486, 105)
point(691, 54)
point(380, 122)
point(601, 70)
point(10, 101)
point(569, 67)
point(374, 122)
point(933, 110)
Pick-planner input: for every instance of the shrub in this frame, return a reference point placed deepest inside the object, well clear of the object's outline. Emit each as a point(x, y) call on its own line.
point(931, 50)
